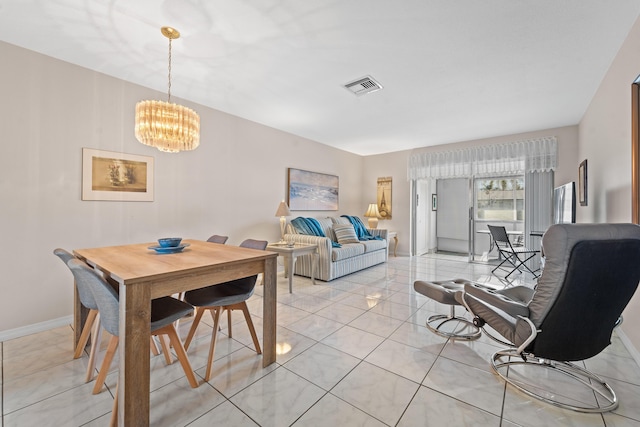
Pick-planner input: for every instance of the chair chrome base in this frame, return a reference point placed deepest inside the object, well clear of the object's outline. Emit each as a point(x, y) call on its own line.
point(503, 361)
point(436, 323)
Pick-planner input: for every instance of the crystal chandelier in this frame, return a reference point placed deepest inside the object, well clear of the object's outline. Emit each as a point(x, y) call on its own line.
point(168, 127)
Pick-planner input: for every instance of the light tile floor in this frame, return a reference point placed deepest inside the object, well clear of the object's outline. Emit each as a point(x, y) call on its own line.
point(352, 352)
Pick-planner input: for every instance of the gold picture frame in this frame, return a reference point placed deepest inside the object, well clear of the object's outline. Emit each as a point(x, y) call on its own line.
point(384, 197)
point(582, 183)
point(108, 175)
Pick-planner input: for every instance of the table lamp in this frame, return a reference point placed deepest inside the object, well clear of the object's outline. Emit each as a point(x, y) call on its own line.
point(373, 214)
point(282, 212)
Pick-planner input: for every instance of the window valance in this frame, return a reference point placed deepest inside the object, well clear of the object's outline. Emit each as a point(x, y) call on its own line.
point(534, 155)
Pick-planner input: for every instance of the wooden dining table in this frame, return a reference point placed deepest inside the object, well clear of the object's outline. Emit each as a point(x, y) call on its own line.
point(141, 275)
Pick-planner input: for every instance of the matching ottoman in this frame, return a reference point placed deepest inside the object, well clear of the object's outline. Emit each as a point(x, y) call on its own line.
point(448, 326)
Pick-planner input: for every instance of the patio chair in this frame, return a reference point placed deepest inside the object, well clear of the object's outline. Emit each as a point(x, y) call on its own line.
point(514, 258)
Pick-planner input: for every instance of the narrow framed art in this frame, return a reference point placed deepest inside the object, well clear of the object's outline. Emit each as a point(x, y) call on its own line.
point(108, 175)
point(582, 183)
point(384, 197)
point(312, 191)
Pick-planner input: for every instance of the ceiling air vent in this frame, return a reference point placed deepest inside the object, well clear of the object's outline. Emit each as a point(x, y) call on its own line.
point(364, 85)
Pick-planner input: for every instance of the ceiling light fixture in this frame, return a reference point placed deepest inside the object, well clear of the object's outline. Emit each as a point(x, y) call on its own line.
point(168, 127)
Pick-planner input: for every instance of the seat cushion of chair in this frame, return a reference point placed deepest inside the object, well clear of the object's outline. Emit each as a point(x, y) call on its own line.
point(167, 310)
point(217, 295)
point(348, 250)
point(374, 245)
point(520, 294)
point(441, 291)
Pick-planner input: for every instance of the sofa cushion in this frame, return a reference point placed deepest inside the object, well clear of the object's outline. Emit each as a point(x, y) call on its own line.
point(347, 251)
point(326, 225)
point(374, 245)
point(345, 233)
point(343, 220)
point(340, 220)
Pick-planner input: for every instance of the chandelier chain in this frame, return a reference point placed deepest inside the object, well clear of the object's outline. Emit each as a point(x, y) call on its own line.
point(169, 90)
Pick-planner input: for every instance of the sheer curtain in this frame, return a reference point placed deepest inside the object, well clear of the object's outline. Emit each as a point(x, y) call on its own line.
point(536, 159)
point(534, 155)
point(538, 196)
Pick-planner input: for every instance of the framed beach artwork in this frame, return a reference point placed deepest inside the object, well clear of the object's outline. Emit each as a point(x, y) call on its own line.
point(384, 197)
point(107, 175)
point(312, 191)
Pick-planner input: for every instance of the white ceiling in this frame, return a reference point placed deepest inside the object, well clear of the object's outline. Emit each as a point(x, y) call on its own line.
point(451, 70)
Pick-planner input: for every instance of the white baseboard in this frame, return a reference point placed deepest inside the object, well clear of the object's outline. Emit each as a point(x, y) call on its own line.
point(629, 345)
point(35, 328)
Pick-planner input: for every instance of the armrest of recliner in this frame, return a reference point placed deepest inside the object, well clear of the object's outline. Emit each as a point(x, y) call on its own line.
point(513, 301)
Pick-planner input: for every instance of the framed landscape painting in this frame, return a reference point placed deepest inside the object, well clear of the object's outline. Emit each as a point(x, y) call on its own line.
point(107, 175)
point(312, 191)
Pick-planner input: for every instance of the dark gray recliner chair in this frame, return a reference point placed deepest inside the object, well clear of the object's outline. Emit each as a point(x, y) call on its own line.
point(591, 272)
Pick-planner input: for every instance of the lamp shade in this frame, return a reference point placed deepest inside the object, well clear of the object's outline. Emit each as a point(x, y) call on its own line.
point(166, 126)
point(372, 211)
point(283, 209)
point(373, 214)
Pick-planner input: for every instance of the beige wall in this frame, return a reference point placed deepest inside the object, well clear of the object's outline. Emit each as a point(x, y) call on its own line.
point(231, 184)
point(605, 141)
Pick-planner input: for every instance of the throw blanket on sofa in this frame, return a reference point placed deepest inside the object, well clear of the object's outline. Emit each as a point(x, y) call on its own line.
point(310, 227)
point(361, 230)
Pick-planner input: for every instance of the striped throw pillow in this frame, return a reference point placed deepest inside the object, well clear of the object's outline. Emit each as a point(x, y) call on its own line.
point(345, 233)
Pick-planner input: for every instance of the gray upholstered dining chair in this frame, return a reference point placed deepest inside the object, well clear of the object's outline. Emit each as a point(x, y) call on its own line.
point(218, 239)
point(92, 323)
point(591, 272)
point(218, 298)
point(221, 240)
point(164, 311)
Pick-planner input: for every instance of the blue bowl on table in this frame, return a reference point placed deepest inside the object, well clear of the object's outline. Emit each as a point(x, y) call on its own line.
point(169, 242)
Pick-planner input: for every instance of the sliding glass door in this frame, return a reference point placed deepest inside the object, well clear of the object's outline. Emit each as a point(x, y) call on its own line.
point(497, 200)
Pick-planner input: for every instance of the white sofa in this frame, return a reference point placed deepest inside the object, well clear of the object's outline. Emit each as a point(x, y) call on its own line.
point(338, 262)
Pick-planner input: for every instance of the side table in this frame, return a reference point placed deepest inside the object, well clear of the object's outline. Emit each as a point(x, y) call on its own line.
point(394, 235)
point(291, 253)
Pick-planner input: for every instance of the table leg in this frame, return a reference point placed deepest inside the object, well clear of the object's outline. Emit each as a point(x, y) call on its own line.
point(395, 247)
point(285, 257)
point(133, 382)
point(292, 264)
point(269, 295)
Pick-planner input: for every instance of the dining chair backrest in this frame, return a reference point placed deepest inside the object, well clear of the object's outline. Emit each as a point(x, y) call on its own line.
point(105, 296)
point(85, 294)
point(218, 239)
point(254, 244)
point(246, 284)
